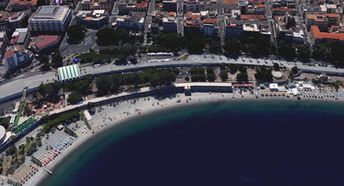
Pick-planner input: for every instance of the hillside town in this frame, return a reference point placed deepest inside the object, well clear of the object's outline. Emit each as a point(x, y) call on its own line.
point(70, 69)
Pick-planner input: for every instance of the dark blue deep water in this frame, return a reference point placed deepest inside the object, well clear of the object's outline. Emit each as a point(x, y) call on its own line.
point(247, 143)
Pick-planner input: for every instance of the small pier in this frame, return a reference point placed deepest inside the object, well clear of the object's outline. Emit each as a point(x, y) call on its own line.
point(48, 171)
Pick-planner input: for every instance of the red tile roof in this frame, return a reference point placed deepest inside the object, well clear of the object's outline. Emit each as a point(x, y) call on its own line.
point(24, 2)
point(252, 17)
point(210, 21)
point(230, 2)
point(171, 14)
point(143, 4)
point(10, 51)
point(317, 34)
point(43, 41)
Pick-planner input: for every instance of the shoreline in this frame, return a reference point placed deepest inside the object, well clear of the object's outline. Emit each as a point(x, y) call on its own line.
point(167, 103)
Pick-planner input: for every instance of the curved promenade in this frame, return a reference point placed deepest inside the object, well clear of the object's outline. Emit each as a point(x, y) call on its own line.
point(13, 89)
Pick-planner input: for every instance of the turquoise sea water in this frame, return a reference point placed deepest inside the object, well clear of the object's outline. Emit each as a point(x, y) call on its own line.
point(227, 143)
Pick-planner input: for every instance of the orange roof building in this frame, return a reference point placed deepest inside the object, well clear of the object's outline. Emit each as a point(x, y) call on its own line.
point(43, 43)
point(211, 21)
point(17, 5)
point(319, 37)
point(231, 2)
point(252, 17)
point(323, 21)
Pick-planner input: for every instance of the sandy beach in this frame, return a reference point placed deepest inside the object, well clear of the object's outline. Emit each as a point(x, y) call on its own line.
point(114, 114)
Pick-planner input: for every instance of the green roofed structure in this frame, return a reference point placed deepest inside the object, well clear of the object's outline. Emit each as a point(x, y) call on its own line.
point(69, 72)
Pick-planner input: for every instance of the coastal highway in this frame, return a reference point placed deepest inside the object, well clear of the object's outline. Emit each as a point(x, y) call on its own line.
point(12, 89)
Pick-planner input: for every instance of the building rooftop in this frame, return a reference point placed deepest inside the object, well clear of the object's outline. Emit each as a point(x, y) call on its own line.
point(68, 72)
point(11, 50)
point(250, 27)
point(252, 17)
point(19, 36)
point(322, 17)
point(2, 35)
point(10, 16)
point(42, 41)
point(24, 2)
point(92, 14)
point(211, 21)
point(317, 34)
point(50, 13)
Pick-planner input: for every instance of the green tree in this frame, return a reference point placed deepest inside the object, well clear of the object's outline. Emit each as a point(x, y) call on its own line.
point(108, 36)
point(337, 54)
point(303, 53)
point(256, 45)
point(44, 61)
point(197, 74)
point(233, 68)
point(337, 84)
point(194, 43)
point(224, 75)
point(211, 77)
point(214, 45)
point(5, 122)
point(232, 47)
point(76, 33)
point(11, 150)
point(320, 52)
point(286, 50)
point(74, 98)
point(263, 74)
point(276, 67)
point(170, 41)
point(103, 85)
point(57, 60)
point(242, 77)
point(294, 70)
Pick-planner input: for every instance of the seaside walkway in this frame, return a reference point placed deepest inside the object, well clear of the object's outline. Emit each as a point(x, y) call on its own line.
point(12, 89)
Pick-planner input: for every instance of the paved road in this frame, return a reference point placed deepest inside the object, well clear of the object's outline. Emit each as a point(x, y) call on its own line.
point(180, 19)
point(148, 20)
point(222, 21)
point(15, 87)
point(271, 21)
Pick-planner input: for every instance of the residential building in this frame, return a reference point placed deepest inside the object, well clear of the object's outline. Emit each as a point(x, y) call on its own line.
point(126, 7)
point(323, 21)
point(16, 56)
point(192, 22)
point(283, 11)
point(50, 19)
point(234, 31)
point(289, 30)
point(44, 43)
point(335, 34)
point(253, 17)
point(191, 5)
point(3, 43)
point(19, 5)
point(169, 5)
point(20, 36)
point(133, 22)
point(93, 19)
point(169, 24)
point(9, 21)
point(209, 27)
point(97, 5)
point(330, 8)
